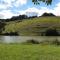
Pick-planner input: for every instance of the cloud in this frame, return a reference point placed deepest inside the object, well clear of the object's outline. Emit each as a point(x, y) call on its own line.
point(34, 11)
point(7, 13)
point(20, 2)
point(30, 12)
point(5, 4)
point(56, 10)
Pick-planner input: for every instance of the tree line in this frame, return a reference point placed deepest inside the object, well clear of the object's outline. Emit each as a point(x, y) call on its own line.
point(14, 18)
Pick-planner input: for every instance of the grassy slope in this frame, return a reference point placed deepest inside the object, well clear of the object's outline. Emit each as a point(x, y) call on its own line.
point(29, 52)
point(33, 26)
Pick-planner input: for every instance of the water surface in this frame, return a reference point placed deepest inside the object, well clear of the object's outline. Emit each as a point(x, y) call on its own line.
point(19, 39)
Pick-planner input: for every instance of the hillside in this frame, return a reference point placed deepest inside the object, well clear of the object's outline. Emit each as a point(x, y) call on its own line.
point(33, 26)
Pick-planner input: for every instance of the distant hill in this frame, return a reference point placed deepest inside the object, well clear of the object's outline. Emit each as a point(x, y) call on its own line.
point(48, 14)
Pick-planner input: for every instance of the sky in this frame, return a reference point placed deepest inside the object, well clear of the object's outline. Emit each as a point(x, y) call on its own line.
point(9, 8)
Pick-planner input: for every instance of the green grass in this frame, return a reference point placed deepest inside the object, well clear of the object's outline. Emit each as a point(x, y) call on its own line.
point(29, 52)
point(33, 26)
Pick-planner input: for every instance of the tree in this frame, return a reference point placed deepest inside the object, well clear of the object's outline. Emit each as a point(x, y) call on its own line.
point(52, 32)
point(48, 2)
point(47, 14)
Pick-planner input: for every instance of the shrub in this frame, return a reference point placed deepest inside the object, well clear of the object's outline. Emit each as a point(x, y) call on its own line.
point(32, 42)
point(56, 42)
point(11, 34)
point(52, 32)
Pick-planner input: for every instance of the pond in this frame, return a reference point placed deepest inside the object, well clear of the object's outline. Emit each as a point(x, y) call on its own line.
point(19, 39)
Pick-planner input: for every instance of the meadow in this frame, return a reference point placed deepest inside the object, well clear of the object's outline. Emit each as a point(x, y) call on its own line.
point(29, 52)
point(32, 26)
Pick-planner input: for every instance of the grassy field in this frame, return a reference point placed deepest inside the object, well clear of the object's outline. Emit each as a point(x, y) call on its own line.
point(32, 26)
point(29, 52)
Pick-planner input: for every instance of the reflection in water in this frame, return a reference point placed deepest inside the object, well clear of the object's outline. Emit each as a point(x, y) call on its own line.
point(7, 39)
point(18, 39)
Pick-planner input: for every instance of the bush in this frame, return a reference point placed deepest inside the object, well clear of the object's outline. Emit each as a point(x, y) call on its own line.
point(32, 42)
point(11, 34)
point(56, 42)
point(52, 32)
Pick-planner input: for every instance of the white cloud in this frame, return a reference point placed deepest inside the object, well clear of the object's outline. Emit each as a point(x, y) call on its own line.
point(43, 10)
point(6, 14)
point(33, 10)
point(20, 2)
point(30, 11)
point(56, 10)
point(5, 4)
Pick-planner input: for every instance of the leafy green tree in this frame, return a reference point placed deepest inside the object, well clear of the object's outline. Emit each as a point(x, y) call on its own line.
point(48, 2)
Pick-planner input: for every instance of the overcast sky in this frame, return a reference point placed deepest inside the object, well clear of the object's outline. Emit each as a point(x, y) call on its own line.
point(9, 8)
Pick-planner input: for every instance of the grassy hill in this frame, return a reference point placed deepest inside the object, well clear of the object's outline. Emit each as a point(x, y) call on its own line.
point(33, 26)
